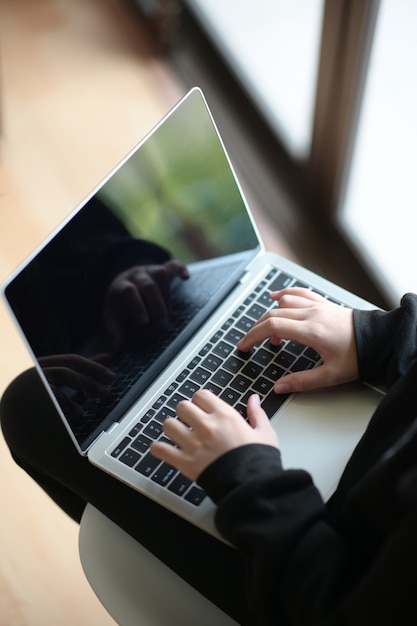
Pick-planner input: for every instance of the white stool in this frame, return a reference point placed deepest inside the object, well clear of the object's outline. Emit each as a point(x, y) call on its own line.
point(133, 585)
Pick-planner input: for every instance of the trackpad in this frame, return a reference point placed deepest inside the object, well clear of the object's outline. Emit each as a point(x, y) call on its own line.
point(319, 430)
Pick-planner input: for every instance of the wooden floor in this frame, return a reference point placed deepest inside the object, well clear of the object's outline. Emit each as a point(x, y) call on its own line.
point(79, 86)
point(80, 83)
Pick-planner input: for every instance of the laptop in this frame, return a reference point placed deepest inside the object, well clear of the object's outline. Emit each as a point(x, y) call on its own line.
point(116, 363)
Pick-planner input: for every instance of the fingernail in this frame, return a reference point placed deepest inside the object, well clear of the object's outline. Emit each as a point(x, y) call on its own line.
point(281, 388)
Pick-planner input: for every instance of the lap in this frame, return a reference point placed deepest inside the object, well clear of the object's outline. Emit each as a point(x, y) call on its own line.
point(41, 445)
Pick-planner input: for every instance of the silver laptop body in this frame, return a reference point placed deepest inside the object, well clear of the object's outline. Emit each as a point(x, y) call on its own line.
point(175, 196)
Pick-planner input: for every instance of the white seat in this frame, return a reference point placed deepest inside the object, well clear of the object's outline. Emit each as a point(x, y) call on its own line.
point(133, 585)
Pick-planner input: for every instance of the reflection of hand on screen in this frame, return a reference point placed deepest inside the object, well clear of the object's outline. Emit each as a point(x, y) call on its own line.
point(140, 298)
point(78, 373)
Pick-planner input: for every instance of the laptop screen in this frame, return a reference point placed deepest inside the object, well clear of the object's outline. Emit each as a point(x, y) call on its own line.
point(121, 286)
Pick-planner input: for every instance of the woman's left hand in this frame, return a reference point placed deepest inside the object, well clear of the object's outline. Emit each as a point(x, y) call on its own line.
point(207, 428)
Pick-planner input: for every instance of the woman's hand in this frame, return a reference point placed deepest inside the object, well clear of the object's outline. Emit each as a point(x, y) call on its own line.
point(306, 317)
point(207, 428)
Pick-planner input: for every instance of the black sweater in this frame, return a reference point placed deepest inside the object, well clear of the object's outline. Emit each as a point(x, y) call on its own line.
point(351, 560)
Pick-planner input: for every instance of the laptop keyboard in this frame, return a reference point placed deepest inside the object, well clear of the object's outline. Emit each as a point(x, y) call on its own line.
point(230, 374)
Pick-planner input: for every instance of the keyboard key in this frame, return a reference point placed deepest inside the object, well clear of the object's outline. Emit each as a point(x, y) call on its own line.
point(245, 356)
point(222, 378)
point(218, 335)
point(129, 457)
point(244, 324)
point(256, 311)
point(200, 376)
point(241, 408)
point(135, 430)
point(230, 396)
point(240, 383)
point(163, 414)
point(195, 495)
point(174, 399)
point(179, 485)
point(164, 474)
point(205, 350)
point(263, 357)
point(228, 323)
point(213, 388)
point(147, 465)
point(153, 430)
point(233, 364)
point(212, 362)
point(184, 374)
point(252, 370)
point(261, 285)
point(263, 385)
point(192, 364)
point(147, 417)
point(239, 311)
point(265, 299)
point(233, 336)
point(172, 387)
point(295, 347)
point(312, 354)
point(189, 388)
point(285, 359)
point(120, 447)
point(223, 349)
point(251, 297)
point(273, 348)
point(141, 444)
point(158, 403)
point(274, 372)
point(272, 403)
point(302, 364)
point(280, 282)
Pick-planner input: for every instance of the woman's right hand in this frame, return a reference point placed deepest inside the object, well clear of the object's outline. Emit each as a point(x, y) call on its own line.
point(306, 317)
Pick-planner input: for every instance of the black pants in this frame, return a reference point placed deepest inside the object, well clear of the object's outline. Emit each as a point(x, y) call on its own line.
point(41, 445)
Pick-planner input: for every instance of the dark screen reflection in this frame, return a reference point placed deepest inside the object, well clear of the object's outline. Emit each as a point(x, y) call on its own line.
point(135, 271)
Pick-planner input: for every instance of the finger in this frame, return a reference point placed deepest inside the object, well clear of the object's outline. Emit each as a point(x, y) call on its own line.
point(166, 452)
point(176, 269)
point(294, 302)
point(176, 430)
point(256, 415)
point(259, 421)
point(208, 402)
point(301, 292)
point(278, 326)
point(193, 412)
point(308, 380)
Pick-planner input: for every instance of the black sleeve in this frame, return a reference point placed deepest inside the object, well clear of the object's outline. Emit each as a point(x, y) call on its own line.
point(386, 341)
point(302, 570)
point(297, 562)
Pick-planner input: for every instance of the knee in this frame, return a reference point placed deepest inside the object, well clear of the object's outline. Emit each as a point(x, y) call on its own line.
point(20, 406)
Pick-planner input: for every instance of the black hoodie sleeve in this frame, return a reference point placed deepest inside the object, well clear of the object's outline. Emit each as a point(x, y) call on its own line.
point(298, 565)
point(386, 341)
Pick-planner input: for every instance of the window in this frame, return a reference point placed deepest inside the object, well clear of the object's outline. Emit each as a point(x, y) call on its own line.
point(272, 47)
point(379, 208)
